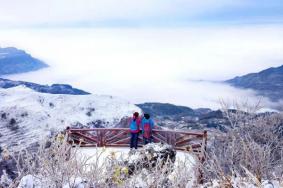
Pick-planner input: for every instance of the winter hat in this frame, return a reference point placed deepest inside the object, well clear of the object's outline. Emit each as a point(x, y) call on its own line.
point(147, 116)
point(136, 114)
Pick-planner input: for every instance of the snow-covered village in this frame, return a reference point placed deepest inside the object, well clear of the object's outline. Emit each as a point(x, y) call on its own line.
point(141, 94)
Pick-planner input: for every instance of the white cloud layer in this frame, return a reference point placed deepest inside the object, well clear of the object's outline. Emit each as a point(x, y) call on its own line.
point(151, 64)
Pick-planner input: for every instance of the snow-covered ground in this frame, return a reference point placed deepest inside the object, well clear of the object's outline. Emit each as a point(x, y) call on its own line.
point(96, 158)
point(123, 153)
point(184, 160)
point(27, 116)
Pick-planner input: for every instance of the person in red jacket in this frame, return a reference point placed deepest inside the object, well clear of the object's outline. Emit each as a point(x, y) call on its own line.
point(135, 129)
point(147, 125)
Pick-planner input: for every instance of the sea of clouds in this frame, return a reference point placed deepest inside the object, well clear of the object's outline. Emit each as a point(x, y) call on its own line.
point(177, 65)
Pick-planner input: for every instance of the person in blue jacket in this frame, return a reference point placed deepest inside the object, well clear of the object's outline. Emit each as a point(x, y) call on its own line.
point(147, 127)
point(134, 129)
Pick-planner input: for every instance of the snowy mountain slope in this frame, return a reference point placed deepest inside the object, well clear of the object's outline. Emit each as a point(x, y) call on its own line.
point(27, 116)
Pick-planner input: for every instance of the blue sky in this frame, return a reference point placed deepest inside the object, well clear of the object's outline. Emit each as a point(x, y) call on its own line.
point(129, 13)
point(261, 11)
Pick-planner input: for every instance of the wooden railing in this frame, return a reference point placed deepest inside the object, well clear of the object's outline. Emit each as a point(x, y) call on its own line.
point(119, 137)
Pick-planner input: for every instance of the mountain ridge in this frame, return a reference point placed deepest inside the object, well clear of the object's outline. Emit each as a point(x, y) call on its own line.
point(53, 89)
point(14, 61)
point(268, 82)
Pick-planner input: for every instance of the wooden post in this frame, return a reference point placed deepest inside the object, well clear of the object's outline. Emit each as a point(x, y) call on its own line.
point(103, 142)
point(99, 144)
point(202, 157)
point(174, 139)
point(68, 137)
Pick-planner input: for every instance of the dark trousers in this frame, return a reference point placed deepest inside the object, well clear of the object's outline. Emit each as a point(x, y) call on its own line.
point(134, 140)
point(147, 140)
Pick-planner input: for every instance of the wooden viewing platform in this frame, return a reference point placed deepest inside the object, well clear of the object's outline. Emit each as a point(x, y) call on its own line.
point(119, 137)
point(192, 142)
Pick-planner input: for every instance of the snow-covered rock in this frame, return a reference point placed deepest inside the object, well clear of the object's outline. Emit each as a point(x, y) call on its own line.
point(152, 154)
point(27, 116)
point(5, 180)
point(8, 168)
point(76, 183)
point(244, 183)
point(28, 181)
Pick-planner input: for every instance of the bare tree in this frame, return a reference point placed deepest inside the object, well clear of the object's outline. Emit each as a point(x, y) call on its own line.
point(252, 146)
point(62, 165)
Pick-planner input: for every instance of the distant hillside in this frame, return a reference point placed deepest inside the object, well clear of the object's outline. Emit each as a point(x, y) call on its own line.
point(13, 61)
point(53, 89)
point(181, 117)
point(267, 83)
point(165, 109)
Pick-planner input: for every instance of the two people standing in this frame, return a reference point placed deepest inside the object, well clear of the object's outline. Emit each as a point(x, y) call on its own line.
point(144, 125)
